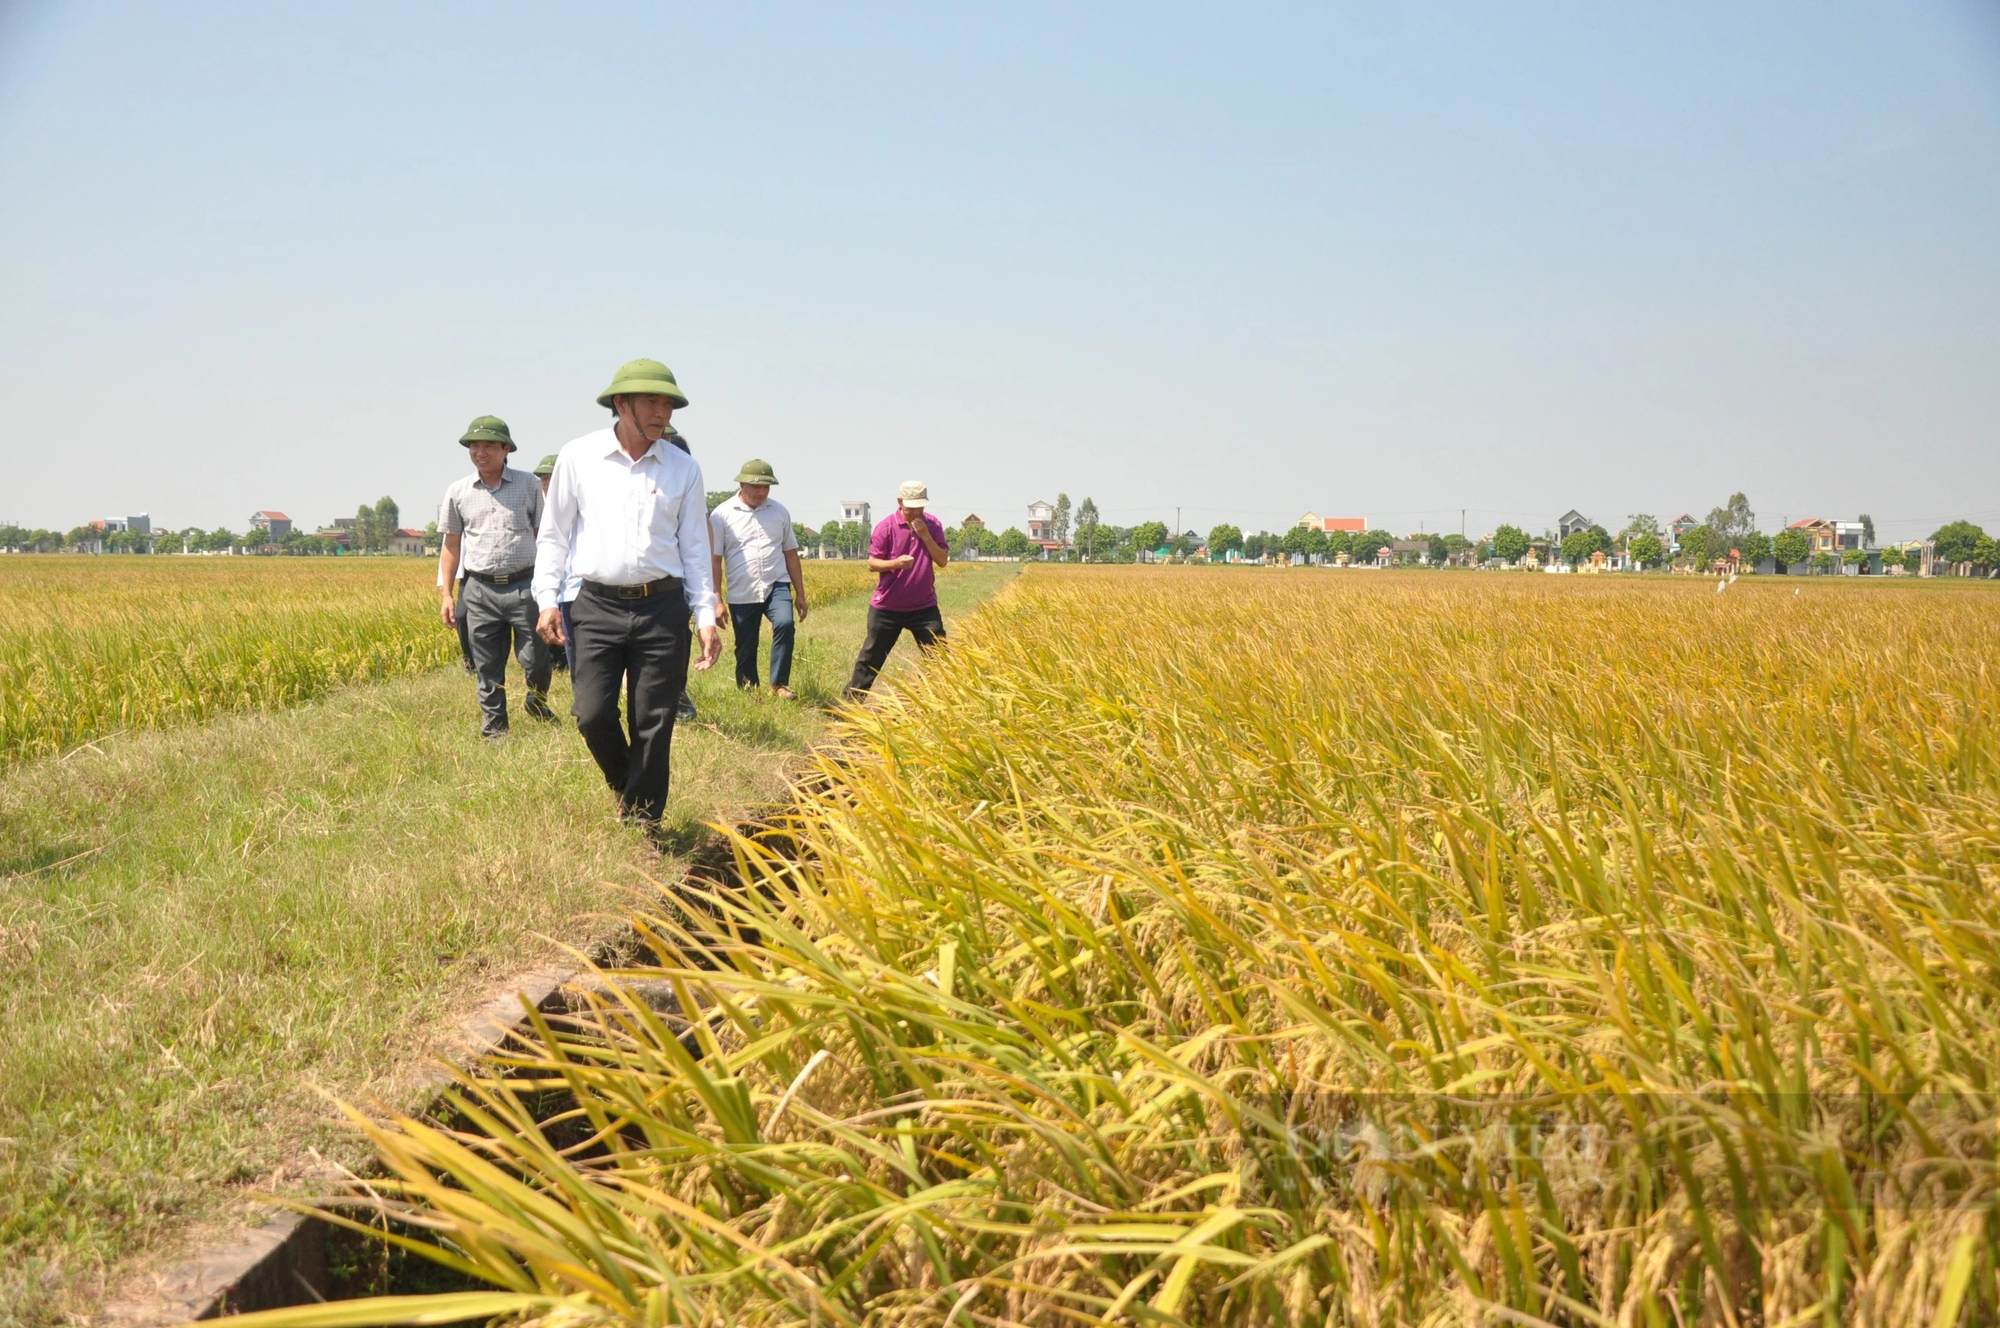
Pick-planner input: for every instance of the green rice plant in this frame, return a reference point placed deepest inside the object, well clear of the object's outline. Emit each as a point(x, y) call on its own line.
point(1212, 947)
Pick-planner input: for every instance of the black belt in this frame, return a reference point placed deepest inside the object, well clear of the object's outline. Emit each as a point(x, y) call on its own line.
point(650, 588)
point(502, 578)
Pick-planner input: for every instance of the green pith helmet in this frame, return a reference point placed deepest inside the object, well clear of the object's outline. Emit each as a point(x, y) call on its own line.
point(756, 472)
point(487, 429)
point(643, 376)
point(546, 466)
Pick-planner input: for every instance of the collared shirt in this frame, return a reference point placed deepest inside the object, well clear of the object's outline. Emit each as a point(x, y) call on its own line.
point(621, 522)
point(752, 543)
point(496, 523)
point(915, 586)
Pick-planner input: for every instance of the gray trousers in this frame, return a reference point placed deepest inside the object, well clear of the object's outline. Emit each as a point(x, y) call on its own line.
point(499, 620)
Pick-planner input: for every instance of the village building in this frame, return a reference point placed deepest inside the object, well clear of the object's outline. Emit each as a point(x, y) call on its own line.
point(277, 523)
point(1351, 525)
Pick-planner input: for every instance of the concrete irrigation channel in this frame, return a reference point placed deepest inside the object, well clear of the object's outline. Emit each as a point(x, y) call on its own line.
point(295, 1258)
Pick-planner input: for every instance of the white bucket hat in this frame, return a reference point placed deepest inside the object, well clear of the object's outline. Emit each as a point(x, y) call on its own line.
point(914, 493)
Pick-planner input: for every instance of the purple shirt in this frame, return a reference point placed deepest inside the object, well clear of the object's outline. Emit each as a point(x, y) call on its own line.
point(915, 587)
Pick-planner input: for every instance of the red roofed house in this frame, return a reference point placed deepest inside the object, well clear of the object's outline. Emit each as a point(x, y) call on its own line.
point(277, 523)
point(1822, 534)
point(1353, 525)
point(407, 540)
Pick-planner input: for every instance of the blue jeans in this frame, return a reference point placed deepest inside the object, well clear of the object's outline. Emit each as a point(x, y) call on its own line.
point(748, 620)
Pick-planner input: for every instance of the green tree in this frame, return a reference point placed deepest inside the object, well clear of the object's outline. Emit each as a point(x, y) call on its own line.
point(1255, 546)
point(1854, 557)
point(1957, 541)
point(1986, 553)
point(219, 540)
point(1636, 525)
point(1695, 546)
point(1013, 543)
point(1369, 544)
point(717, 497)
point(1867, 531)
point(1087, 527)
point(1577, 546)
point(1822, 562)
point(1339, 542)
point(256, 537)
point(1510, 543)
point(1222, 539)
point(1790, 547)
point(1438, 550)
point(1149, 535)
point(1728, 524)
point(1059, 526)
point(388, 520)
point(1756, 547)
point(1646, 550)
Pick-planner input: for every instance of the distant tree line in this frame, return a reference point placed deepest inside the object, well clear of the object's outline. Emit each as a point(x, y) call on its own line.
point(374, 526)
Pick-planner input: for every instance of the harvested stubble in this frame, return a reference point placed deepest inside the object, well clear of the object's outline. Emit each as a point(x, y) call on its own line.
point(1276, 948)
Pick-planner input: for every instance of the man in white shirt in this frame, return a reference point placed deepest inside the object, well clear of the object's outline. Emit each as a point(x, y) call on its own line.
point(626, 515)
point(756, 554)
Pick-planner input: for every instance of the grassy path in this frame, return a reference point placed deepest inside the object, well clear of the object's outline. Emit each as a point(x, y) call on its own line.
point(199, 926)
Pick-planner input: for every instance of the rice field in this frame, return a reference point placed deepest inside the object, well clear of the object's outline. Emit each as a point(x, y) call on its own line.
point(100, 646)
point(97, 646)
point(1223, 947)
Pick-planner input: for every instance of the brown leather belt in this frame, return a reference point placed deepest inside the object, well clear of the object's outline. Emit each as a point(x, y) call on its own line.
point(649, 589)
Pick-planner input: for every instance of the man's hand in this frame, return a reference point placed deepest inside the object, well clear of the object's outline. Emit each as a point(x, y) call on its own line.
point(448, 611)
point(549, 627)
point(711, 649)
point(906, 561)
point(721, 614)
point(799, 608)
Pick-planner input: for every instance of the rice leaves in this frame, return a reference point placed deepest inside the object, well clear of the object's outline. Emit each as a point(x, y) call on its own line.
point(1210, 947)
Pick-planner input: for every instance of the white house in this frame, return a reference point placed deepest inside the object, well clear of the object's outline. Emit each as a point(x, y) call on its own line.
point(1041, 522)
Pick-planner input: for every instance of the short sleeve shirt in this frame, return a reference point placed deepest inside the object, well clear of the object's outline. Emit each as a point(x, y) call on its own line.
point(752, 543)
point(496, 525)
point(914, 587)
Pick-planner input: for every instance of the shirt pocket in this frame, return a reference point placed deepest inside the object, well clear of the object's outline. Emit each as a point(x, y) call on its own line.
point(663, 510)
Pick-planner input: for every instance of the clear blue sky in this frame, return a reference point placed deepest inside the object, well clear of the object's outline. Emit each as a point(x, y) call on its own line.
point(1367, 259)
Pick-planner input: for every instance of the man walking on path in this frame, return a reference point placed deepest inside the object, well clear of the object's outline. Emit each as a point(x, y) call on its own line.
point(627, 516)
point(906, 549)
point(489, 526)
point(752, 541)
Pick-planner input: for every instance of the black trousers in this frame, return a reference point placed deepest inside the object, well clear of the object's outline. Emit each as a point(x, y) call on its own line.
point(885, 626)
point(641, 647)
